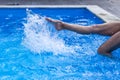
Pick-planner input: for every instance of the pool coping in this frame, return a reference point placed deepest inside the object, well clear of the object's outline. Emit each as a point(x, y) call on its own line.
point(98, 11)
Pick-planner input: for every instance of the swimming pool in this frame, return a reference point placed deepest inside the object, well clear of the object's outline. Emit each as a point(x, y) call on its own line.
point(31, 49)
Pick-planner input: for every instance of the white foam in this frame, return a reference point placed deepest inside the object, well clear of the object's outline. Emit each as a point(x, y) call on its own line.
point(39, 36)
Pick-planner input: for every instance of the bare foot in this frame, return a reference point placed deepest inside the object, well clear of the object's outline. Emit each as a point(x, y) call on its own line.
point(58, 24)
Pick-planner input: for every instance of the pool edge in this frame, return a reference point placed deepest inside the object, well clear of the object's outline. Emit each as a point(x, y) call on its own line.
point(98, 11)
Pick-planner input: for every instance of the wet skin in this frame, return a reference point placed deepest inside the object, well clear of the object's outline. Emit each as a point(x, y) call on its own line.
point(109, 29)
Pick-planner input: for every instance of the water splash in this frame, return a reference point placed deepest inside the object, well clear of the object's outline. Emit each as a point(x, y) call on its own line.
point(40, 36)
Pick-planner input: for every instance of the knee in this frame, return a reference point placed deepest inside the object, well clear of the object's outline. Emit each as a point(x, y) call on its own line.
point(101, 50)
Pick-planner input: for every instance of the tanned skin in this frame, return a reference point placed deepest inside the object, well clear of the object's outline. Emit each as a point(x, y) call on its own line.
point(109, 29)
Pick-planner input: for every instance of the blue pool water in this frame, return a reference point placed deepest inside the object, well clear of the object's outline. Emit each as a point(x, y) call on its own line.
point(31, 48)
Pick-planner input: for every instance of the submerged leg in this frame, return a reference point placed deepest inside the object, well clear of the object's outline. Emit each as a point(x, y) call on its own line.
point(110, 45)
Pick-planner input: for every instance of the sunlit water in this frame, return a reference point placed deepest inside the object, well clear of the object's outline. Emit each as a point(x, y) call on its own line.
point(32, 49)
point(40, 36)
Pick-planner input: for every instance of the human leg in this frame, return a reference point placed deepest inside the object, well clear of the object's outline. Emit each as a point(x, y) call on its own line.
point(103, 29)
point(59, 25)
point(106, 28)
point(111, 44)
point(112, 29)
